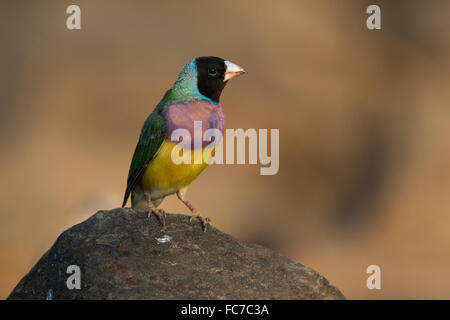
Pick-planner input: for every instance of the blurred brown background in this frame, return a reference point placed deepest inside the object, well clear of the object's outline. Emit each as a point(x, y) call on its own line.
point(363, 116)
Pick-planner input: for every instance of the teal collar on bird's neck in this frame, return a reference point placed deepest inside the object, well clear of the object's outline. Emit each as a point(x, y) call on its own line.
point(185, 89)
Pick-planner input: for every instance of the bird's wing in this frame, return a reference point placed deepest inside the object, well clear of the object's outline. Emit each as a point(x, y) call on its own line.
point(152, 136)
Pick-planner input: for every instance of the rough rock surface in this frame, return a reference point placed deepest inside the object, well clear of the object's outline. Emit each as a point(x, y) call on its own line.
point(124, 255)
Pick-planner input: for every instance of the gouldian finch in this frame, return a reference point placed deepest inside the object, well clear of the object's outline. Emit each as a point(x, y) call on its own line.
point(195, 96)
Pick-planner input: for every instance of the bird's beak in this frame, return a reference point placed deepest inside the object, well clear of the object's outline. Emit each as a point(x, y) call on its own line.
point(232, 71)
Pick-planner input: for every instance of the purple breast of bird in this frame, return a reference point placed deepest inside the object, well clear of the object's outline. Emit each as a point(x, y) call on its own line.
point(189, 116)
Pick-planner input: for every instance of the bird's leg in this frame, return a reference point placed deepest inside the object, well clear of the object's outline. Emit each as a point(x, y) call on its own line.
point(159, 213)
point(181, 194)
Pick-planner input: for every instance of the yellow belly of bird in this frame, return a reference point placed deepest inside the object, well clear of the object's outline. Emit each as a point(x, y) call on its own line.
point(163, 176)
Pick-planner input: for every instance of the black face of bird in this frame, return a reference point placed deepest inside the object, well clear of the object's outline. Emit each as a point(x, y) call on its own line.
point(213, 74)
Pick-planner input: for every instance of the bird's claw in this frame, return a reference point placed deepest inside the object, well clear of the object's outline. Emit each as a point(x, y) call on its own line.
point(204, 221)
point(160, 214)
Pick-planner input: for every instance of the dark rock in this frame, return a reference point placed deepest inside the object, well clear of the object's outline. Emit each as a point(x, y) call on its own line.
point(124, 255)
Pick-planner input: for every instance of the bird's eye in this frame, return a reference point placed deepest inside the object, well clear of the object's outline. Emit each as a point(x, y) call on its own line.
point(212, 71)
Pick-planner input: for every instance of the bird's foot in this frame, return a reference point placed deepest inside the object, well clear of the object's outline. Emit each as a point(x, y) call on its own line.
point(204, 221)
point(160, 214)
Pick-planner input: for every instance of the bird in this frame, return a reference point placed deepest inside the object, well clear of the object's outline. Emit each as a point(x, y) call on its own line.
point(195, 96)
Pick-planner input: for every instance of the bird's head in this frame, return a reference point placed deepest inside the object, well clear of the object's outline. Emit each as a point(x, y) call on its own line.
point(208, 76)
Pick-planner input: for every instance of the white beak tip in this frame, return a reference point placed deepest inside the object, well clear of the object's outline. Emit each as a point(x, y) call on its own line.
point(232, 70)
